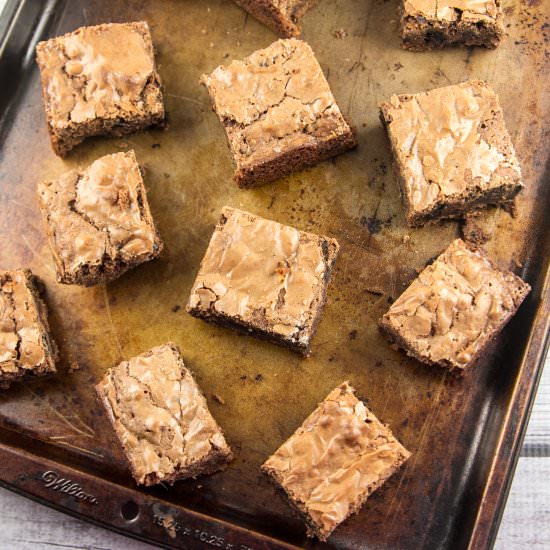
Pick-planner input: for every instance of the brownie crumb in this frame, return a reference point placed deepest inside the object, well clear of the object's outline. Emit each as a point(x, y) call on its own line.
point(283, 18)
point(517, 263)
point(374, 290)
point(73, 367)
point(156, 146)
point(352, 334)
point(218, 398)
point(473, 233)
point(176, 308)
point(258, 378)
point(340, 34)
point(511, 208)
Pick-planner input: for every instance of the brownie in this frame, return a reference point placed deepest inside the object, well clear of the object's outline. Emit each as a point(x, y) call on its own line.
point(450, 313)
point(429, 24)
point(98, 220)
point(452, 152)
point(334, 461)
point(281, 16)
point(278, 112)
point(263, 277)
point(26, 348)
point(99, 80)
point(161, 418)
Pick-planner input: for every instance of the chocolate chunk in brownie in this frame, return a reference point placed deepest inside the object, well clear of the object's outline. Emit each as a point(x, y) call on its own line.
point(333, 462)
point(161, 418)
point(449, 314)
point(429, 24)
point(263, 277)
point(98, 220)
point(452, 152)
point(99, 80)
point(278, 112)
point(26, 348)
point(281, 16)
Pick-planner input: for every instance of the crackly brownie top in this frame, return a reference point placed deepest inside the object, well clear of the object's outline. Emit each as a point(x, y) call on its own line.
point(267, 274)
point(99, 72)
point(159, 414)
point(100, 212)
point(449, 140)
point(22, 344)
point(455, 305)
point(453, 10)
point(335, 458)
point(273, 101)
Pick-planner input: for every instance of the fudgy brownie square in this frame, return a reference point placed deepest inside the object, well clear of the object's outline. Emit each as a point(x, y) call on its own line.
point(429, 24)
point(334, 461)
point(452, 152)
point(263, 277)
point(98, 220)
point(281, 16)
point(278, 112)
point(99, 80)
point(161, 418)
point(449, 314)
point(26, 348)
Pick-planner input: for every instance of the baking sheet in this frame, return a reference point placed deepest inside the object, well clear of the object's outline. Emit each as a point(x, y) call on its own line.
point(464, 434)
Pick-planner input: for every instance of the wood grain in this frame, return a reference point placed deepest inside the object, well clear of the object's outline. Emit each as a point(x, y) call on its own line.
point(537, 440)
point(526, 521)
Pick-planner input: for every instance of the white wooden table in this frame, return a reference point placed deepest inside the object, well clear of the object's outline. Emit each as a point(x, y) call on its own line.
point(25, 525)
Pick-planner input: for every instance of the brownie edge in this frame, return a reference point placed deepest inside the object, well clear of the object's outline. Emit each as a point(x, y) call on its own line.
point(91, 86)
point(265, 278)
point(456, 306)
point(283, 18)
point(161, 418)
point(334, 461)
point(432, 24)
point(27, 349)
point(98, 220)
point(476, 167)
point(278, 112)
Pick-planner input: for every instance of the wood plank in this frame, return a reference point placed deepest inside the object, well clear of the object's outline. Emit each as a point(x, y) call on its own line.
point(537, 439)
point(526, 521)
point(27, 525)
